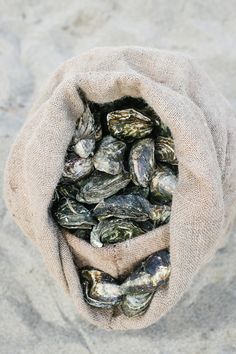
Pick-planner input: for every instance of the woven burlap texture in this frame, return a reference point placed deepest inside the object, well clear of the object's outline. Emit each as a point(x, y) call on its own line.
point(204, 129)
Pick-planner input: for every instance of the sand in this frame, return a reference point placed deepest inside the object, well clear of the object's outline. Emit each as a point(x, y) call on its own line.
point(35, 37)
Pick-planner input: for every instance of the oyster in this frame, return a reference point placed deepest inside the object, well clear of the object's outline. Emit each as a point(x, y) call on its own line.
point(127, 206)
point(100, 289)
point(165, 150)
point(148, 276)
point(67, 190)
point(129, 124)
point(136, 305)
point(86, 127)
point(163, 183)
point(113, 231)
point(76, 168)
point(160, 214)
point(100, 185)
point(85, 147)
point(109, 156)
point(132, 189)
point(72, 215)
point(142, 161)
point(131, 206)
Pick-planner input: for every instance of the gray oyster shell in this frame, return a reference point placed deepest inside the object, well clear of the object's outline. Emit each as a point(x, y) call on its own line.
point(136, 305)
point(86, 133)
point(163, 183)
point(76, 168)
point(109, 156)
point(129, 124)
point(100, 289)
point(72, 215)
point(165, 150)
point(100, 185)
point(86, 127)
point(113, 231)
point(151, 274)
point(142, 161)
point(85, 147)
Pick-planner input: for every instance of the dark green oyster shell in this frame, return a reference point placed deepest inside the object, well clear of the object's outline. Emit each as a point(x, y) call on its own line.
point(148, 276)
point(131, 206)
point(142, 161)
point(100, 289)
point(109, 156)
point(113, 231)
point(67, 190)
point(100, 185)
point(72, 215)
point(129, 124)
point(127, 206)
point(136, 305)
point(132, 189)
point(165, 150)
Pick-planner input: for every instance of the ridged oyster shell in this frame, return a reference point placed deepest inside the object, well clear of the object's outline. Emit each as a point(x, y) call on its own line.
point(76, 168)
point(152, 273)
point(109, 156)
point(72, 215)
point(129, 124)
point(100, 185)
point(131, 206)
point(163, 183)
point(113, 231)
point(100, 289)
point(165, 150)
point(142, 161)
point(136, 305)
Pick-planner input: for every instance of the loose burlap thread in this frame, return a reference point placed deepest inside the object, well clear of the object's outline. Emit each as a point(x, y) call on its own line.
point(204, 129)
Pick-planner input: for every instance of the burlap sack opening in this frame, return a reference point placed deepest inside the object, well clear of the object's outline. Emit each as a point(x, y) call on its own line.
point(203, 126)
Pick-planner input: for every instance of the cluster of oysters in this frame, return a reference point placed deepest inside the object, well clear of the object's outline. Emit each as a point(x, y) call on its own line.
point(119, 175)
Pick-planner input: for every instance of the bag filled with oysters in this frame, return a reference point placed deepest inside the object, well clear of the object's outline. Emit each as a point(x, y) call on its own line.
point(124, 176)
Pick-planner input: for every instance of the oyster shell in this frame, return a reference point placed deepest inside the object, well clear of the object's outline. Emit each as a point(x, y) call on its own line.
point(136, 305)
point(100, 185)
point(132, 189)
point(86, 127)
point(100, 289)
point(72, 215)
point(85, 147)
point(67, 190)
point(142, 161)
point(113, 231)
point(148, 276)
point(165, 150)
point(163, 183)
point(76, 168)
point(127, 206)
point(131, 206)
point(109, 156)
point(129, 124)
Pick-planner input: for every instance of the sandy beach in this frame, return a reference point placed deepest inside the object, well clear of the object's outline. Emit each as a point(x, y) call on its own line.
point(36, 316)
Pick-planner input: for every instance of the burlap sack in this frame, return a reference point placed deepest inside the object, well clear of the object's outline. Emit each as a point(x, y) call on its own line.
point(204, 129)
